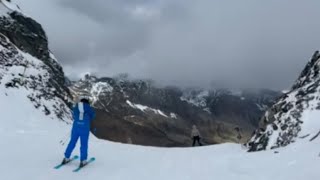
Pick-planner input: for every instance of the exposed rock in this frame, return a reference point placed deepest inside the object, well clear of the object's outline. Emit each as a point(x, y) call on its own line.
point(286, 113)
point(27, 63)
point(169, 112)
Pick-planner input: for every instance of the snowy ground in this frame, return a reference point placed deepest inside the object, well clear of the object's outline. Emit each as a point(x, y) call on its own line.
point(30, 149)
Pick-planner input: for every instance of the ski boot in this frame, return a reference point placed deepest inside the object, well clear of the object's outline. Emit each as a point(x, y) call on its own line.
point(65, 161)
point(83, 163)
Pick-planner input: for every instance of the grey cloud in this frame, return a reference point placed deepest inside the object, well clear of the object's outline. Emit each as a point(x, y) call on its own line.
point(183, 42)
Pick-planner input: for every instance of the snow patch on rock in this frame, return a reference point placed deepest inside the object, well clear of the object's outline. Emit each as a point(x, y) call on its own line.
point(196, 98)
point(146, 108)
point(20, 71)
point(173, 116)
point(98, 88)
point(295, 116)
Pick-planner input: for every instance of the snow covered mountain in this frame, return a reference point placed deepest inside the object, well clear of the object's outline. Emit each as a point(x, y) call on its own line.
point(163, 116)
point(30, 135)
point(295, 116)
point(27, 65)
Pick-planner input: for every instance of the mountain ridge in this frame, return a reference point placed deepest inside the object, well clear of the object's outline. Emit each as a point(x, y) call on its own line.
point(171, 111)
point(287, 120)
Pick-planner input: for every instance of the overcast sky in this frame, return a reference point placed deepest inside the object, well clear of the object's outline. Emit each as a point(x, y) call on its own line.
point(245, 43)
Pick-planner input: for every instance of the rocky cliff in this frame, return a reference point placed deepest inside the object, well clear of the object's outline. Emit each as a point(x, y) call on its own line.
point(26, 63)
point(295, 115)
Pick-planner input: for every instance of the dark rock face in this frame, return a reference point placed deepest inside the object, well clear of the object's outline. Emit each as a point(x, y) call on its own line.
point(281, 124)
point(26, 62)
point(26, 34)
point(166, 114)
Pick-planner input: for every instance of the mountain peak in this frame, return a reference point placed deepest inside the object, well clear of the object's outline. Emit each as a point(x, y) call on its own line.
point(295, 115)
point(88, 77)
point(310, 73)
point(27, 66)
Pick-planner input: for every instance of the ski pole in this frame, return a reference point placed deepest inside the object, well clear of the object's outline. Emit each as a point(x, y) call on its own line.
point(64, 139)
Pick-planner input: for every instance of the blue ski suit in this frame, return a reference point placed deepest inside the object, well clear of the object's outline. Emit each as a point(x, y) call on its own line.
point(83, 114)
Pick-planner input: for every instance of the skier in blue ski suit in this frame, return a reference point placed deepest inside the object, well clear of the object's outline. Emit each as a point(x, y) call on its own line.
point(83, 114)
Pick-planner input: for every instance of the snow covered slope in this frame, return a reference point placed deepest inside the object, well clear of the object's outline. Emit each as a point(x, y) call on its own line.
point(295, 116)
point(3, 10)
point(30, 136)
point(30, 149)
point(9, 6)
point(21, 72)
point(26, 64)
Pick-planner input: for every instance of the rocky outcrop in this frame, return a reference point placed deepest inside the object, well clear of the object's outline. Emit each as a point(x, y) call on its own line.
point(26, 62)
point(282, 123)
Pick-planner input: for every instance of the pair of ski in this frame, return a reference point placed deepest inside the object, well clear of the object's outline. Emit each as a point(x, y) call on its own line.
point(75, 158)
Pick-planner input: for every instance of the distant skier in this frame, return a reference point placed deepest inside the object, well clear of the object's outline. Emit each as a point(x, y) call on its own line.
point(129, 140)
point(239, 136)
point(195, 134)
point(83, 114)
